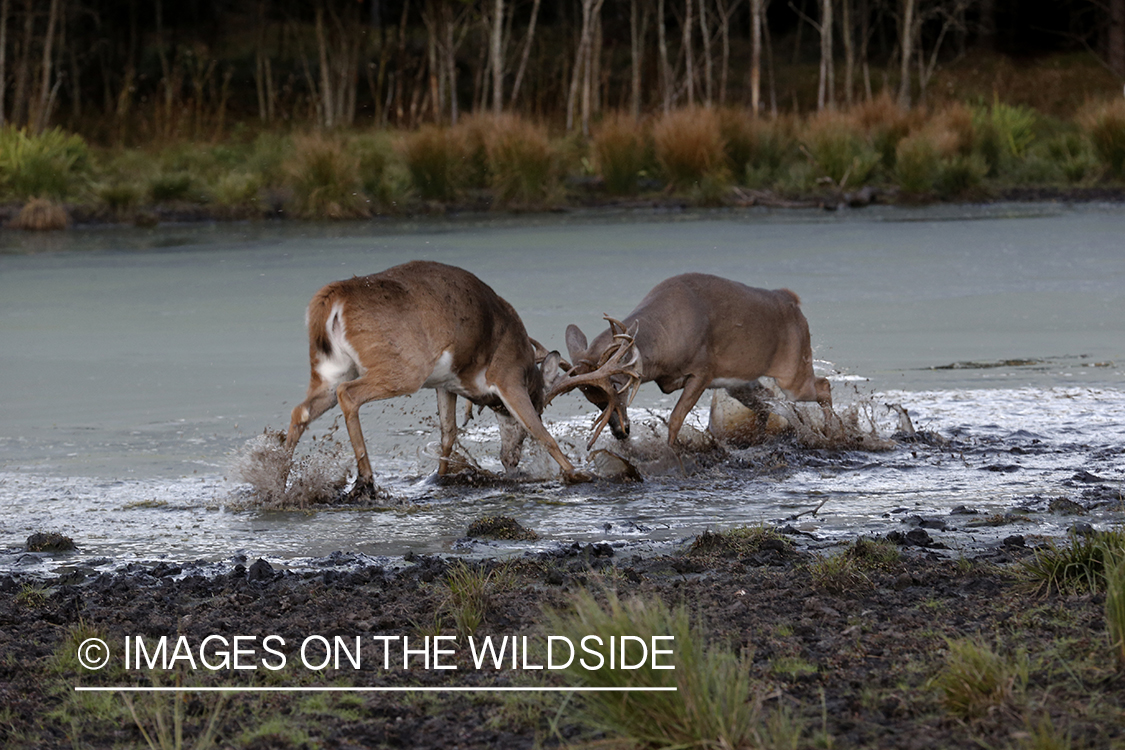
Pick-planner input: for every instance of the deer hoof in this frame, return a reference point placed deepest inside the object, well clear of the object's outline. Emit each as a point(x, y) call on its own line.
point(365, 491)
point(577, 477)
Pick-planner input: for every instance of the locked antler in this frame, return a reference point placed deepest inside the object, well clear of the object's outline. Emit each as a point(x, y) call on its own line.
point(619, 358)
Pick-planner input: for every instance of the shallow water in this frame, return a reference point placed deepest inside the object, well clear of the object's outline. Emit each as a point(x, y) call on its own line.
point(136, 363)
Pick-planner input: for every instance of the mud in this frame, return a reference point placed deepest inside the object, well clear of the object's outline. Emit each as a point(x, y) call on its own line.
point(848, 659)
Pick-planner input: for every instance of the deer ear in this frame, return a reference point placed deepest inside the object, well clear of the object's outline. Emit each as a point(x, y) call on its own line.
point(550, 368)
point(575, 342)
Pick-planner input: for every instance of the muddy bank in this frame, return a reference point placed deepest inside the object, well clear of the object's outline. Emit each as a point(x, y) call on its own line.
point(847, 655)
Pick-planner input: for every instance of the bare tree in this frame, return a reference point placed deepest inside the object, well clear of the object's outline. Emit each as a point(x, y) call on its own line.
point(826, 90)
point(725, 13)
point(665, 67)
point(708, 62)
point(637, 33)
point(526, 52)
point(497, 57)
point(1116, 37)
point(580, 72)
point(689, 68)
point(907, 33)
point(4, 10)
point(756, 11)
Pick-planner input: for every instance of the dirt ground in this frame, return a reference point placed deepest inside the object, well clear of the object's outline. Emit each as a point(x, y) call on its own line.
point(846, 656)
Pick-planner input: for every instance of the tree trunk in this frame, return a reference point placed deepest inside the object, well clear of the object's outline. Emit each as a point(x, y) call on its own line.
point(42, 110)
point(325, 108)
point(986, 35)
point(1116, 42)
point(849, 51)
point(665, 68)
point(689, 71)
point(756, 56)
point(23, 66)
point(578, 75)
point(497, 58)
point(635, 49)
point(526, 53)
point(907, 50)
point(4, 8)
point(708, 63)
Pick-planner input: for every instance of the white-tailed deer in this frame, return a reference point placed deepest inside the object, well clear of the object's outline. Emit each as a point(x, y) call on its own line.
point(424, 325)
point(694, 332)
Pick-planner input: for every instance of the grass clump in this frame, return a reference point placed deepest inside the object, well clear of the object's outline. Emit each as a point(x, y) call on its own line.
point(977, 681)
point(689, 148)
point(839, 150)
point(468, 596)
point(1115, 603)
point(432, 156)
point(1079, 565)
point(324, 178)
point(917, 164)
point(713, 705)
point(739, 542)
point(1105, 126)
point(53, 164)
point(620, 150)
point(521, 164)
point(839, 574)
point(500, 527)
point(41, 214)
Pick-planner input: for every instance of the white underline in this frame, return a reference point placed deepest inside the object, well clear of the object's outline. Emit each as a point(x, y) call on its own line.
point(454, 689)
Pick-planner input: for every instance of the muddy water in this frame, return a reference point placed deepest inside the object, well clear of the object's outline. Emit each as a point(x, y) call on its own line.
point(137, 364)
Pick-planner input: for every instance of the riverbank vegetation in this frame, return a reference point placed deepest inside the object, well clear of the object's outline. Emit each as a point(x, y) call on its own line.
point(142, 112)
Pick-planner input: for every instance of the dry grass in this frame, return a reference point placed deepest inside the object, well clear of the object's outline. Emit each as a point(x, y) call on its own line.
point(324, 177)
point(521, 163)
point(432, 156)
point(689, 147)
point(41, 214)
point(620, 147)
point(1105, 125)
point(838, 146)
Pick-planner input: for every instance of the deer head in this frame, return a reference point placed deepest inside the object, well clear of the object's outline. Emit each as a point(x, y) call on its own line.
point(609, 378)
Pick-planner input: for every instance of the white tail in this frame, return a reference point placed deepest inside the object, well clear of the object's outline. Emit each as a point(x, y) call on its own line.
point(424, 325)
point(694, 332)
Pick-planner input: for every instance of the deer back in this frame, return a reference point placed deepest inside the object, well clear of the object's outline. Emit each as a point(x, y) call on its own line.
point(426, 324)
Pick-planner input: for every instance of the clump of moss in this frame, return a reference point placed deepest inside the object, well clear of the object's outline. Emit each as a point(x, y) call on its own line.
point(500, 527)
point(49, 542)
point(739, 542)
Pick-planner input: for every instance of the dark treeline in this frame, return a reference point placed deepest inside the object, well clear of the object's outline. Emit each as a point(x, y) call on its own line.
point(123, 70)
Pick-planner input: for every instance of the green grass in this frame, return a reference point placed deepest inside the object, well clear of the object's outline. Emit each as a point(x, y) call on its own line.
point(53, 164)
point(977, 680)
point(714, 705)
point(1078, 564)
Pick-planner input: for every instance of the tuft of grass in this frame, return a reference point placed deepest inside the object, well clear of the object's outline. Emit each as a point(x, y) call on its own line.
point(839, 149)
point(324, 177)
point(160, 718)
point(960, 176)
point(521, 164)
point(53, 164)
point(1105, 126)
point(620, 150)
point(977, 681)
point(739, 542)
point(917, 164)
point(33, 596)
point(173, 186)
point(874, 553)
point(839, 574)
point(469, 587)
point(500, 527)
point(1079, 565)
point(432, 156)
point(1115, 603)
point(689, 147)
point(41, 214)
point(713, 705)
point(885, 124)
point(239, 193)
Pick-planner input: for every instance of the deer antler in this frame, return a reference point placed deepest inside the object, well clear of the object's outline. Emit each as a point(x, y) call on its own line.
point(619, 358)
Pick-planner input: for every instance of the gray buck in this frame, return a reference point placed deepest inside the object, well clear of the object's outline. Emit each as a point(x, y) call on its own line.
point(425, 325)
point(694, 332)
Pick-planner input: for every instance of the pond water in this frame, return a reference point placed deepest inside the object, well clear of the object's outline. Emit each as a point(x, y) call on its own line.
point(137, 363)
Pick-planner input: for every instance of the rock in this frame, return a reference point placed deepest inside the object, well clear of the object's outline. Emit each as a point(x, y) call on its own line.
point(500, 527)
point(260, 571)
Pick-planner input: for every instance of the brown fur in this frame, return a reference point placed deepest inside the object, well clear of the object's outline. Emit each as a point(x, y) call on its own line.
point(695, 329)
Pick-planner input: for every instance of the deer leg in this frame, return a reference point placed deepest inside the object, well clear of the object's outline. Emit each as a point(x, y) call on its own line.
point(320, 399)
point(519, 405)
point(693, 389)
point(352, 395)
point(447, 418)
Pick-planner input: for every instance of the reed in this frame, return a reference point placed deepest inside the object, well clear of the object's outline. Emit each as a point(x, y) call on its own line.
point(324, 178)
point(689, 147)
point(620, 148)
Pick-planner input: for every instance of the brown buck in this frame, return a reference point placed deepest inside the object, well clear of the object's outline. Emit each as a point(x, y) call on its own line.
point(694, 332)
point(424, 325)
